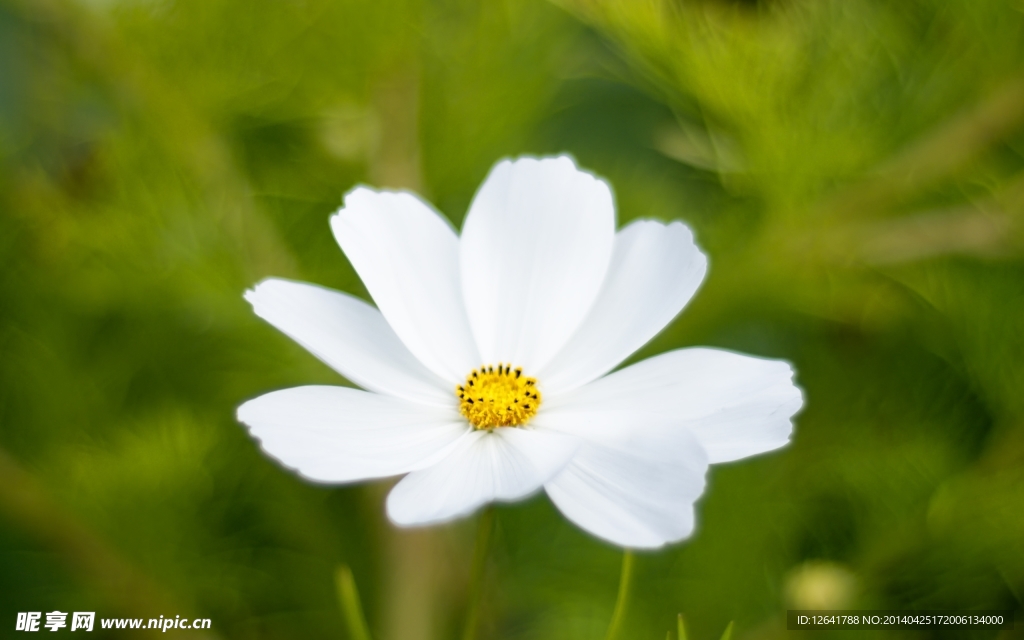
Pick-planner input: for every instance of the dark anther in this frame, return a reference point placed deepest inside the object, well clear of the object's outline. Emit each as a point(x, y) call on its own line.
point(519, 372)
point(469, 400)
point(526, 406)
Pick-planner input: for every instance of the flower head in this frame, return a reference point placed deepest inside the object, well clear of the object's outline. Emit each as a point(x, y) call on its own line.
point(486, 361)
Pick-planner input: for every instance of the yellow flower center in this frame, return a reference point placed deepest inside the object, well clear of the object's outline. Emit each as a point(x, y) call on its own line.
point(498, 397)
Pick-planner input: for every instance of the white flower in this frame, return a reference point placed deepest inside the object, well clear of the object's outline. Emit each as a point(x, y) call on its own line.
point(535, 303)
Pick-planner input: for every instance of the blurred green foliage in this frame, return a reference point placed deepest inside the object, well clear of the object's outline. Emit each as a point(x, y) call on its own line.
point(853, 168)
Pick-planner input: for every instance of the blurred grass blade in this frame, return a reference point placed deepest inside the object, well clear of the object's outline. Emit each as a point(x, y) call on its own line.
point(351, 609)
point(727, 634)
point(681, 627)
point(622, 600)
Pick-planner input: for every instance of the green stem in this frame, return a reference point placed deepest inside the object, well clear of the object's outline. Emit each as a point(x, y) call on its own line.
point(484, 529)
point(351, 609)
point(622, 601)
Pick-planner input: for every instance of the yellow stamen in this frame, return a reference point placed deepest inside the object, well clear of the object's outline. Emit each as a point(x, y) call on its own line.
point(498, 397)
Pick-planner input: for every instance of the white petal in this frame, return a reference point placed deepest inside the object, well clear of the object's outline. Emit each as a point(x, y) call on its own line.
point(506, 464)
point(735, 405)
point(351, 337)
point(407, 255)
point(635, 491)
point(655, 270)
point(336, 434)
point(535, 249)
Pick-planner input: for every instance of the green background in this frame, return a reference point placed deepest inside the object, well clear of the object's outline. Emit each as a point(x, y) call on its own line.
point(854, 170)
